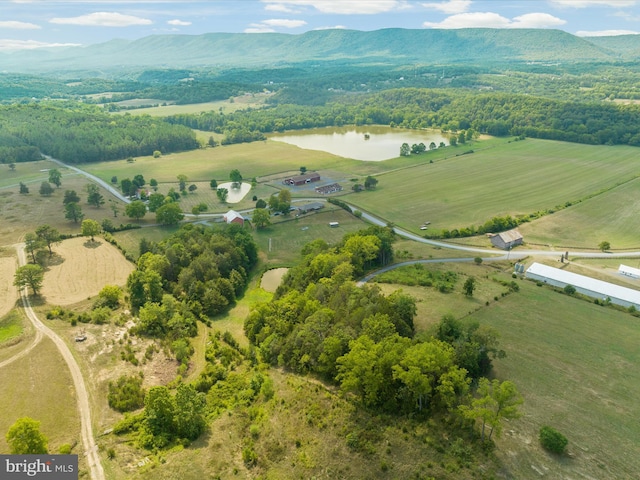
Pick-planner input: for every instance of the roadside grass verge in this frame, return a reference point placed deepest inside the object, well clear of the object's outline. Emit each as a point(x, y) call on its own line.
point(11, 326)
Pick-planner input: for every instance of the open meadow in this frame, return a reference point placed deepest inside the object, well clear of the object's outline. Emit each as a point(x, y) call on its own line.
point(83, 268)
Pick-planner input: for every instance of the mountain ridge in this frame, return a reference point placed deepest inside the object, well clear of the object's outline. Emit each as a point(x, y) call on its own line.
point(396, 46)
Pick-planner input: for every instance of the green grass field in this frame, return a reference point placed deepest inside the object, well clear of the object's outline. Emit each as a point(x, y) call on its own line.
point(574, 362)
point(11, 326)
point(511, 179)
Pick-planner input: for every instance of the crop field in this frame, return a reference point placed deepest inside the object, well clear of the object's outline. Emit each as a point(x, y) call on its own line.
point(8, 293)
point(85, 268)
point(516, 178)
point(608, 217)
point(574, 362)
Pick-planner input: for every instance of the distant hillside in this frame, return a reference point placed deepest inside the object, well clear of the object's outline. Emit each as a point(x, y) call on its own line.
point(477, 46)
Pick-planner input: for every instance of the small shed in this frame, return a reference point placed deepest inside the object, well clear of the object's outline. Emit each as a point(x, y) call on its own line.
point(507, 240)
point(233, 217)
point(302, 179)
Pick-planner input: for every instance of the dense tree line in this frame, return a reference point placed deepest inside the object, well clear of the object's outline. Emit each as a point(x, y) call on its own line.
point(85, 134)
point(497, 114)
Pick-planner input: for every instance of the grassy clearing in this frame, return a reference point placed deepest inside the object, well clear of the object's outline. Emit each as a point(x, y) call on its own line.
point(39, 386)
point(129, 240)
point(84, 268)
point(511, 179)
point(574, 363)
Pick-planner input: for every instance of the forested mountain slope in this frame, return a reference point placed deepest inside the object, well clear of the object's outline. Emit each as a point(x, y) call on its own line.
point(387, 45)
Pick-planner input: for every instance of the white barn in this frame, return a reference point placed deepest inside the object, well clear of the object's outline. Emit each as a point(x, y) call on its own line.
point(586, 285)
point(629, 271)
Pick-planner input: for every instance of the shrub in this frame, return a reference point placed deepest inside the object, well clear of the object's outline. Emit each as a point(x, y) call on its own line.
point(552, 440)
point(126, 394)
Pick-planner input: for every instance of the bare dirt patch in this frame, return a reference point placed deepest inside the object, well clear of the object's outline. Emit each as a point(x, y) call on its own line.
point(8, 293)
point(272, 278)
point(84, 271)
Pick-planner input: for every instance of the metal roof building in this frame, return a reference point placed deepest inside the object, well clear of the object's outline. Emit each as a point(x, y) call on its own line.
point(586, 285)
point(507, 240)
point(629, 271)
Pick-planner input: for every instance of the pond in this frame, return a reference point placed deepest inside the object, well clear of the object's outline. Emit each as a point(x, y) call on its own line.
point(382, 143)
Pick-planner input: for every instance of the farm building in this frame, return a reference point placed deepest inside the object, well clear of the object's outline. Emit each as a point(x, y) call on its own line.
point(302, 179)
point(233, 217)
point(586, 285)
point(310, 207)
point(507, 240)
point(629, 271)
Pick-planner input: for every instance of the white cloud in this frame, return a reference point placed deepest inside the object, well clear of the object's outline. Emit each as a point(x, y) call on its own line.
point(179, 23)
point(257, 28)
point(281, 22)
point(278, 7)
point(103, 19)
point(606, 33)
point(450, 7)
point(494, 20)
point(537, 20)
point(18, 25)
point(472, 20)
point(8, 45)
point(593, 3)
point(345, 7)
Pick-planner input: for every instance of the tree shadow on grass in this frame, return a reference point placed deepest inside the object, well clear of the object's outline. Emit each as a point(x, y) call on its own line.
point(92, 244)
point(45, 260)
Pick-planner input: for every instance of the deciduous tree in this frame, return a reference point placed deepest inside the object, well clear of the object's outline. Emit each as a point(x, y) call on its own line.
point(29, 276)
point(169, 214)
point(24, 437)
point(90, 228)
point(136, 209)
point(46, 189)
point(55, 177)
point(73, 211)
point(70, 196)
point(261, 218)
point(49, 236)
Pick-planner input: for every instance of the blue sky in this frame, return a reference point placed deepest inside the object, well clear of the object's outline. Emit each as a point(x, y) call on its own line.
point(27, 24)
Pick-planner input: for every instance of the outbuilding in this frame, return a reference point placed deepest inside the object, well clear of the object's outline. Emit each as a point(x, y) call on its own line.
point(585, 285)
point(302, 179)
point(507, 240)
point(310, 207)
point(233, 217)
point(629, 271)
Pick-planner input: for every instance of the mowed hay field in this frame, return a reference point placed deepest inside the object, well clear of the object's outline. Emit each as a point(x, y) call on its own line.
point(509, 179)
point(84, 269)
point(8, 293)
point(610, 217)
point(575, 363)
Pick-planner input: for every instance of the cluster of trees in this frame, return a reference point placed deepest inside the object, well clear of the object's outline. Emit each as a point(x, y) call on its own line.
point(321, 322)
point(81, 133)
point(194, 274)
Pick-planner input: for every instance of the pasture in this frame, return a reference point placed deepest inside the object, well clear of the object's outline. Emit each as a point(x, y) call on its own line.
point(610, 216)
point(509, 179)
point(20, 214)
point(84, 267)
point(8, 293)
point(573, 361)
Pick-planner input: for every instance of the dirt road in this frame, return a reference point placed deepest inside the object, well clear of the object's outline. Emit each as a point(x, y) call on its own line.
point(84, 410)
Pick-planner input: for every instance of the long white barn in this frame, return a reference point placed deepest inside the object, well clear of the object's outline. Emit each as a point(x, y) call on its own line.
point(586, 285)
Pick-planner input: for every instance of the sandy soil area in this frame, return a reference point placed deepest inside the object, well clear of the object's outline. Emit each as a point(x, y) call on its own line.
point(272, 278)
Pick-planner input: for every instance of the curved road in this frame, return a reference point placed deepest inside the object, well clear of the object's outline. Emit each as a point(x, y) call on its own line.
point(84, 409)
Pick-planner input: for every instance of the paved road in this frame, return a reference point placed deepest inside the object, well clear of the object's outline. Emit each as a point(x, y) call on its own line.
point(84, 409)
